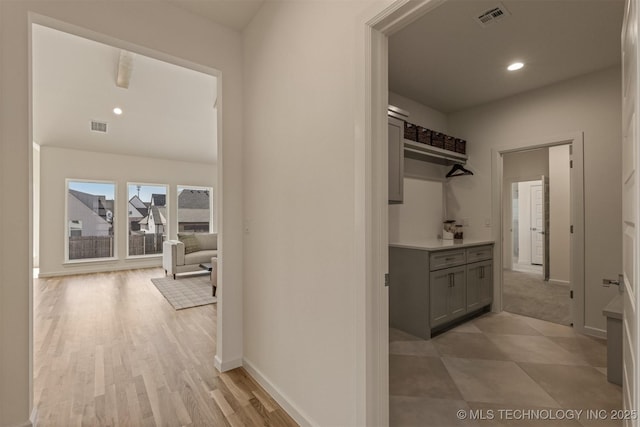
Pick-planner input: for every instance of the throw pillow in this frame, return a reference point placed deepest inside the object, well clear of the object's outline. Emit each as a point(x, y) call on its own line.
point(191, 244)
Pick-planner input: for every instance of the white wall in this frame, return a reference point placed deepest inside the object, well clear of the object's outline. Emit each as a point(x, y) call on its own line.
point(36, 205)
point(420, 216)
point(589, 104)
point(420, 114)
point(153, 25)
point(58, 164)
point(519, 166)
point(559, 213)
point(303, 332)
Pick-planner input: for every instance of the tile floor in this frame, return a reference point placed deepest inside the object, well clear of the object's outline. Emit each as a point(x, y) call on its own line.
point(510, 370)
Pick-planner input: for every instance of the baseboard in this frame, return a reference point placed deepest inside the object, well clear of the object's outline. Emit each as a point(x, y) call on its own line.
point(96, 269)
point(559, 282)
point(227, 366)
point(595, 332)
point(298, 415)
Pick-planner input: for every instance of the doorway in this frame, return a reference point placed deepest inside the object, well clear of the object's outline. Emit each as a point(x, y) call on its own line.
point(536, 277)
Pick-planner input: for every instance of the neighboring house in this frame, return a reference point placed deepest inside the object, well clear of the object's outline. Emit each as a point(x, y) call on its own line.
point(194, 210)
point(155, 221)
point(137, 210)
point(89, 215)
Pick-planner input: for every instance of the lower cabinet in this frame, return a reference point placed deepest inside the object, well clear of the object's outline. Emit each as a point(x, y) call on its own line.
point(430, 288)
point(447, 294)
point(479, 284)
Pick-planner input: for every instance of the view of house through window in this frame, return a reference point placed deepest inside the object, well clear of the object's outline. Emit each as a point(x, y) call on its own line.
point(194, 209)
point(147, 218)
point(90, 223)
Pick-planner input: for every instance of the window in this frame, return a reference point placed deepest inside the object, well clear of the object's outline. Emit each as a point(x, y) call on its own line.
point(90, 224)
point(195, 209)
point(147, 218)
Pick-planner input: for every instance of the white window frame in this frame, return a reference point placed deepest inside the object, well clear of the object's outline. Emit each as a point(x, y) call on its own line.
point(167, 188)
point(66, 222)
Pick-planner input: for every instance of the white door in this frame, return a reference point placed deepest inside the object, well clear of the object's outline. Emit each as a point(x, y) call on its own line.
point(537, 224)
point(630, 224)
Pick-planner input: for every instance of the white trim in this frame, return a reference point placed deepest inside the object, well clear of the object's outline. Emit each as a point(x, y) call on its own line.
point(595, 332)
point(294, 412)
point(228, 365)
point(371, 206)
point(559, 282)
point(577, 217)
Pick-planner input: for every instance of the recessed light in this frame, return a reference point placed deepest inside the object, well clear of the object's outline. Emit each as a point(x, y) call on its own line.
point(117, 111)
point(515, 66)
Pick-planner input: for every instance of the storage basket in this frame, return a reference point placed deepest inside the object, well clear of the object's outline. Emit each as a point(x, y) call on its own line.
point(449, 143)
point(437, 139)
point(410, 131)
point(424, 135)
point(461, 146)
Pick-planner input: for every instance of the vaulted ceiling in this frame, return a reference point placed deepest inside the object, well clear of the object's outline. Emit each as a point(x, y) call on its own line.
point(168, 111)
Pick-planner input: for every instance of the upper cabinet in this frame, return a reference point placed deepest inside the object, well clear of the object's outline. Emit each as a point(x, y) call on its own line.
point(396, 160)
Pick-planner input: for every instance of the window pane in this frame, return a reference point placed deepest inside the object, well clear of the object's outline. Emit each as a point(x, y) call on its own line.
point(194, 209)
point(148, 218)
point(90, 222)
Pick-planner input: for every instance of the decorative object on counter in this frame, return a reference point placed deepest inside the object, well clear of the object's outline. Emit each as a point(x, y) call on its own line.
point(457, 234)
point(458, 170)
point(410, 131)
point(448, 229)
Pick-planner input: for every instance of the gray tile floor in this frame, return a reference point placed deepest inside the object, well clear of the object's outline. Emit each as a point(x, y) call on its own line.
point(501, 370)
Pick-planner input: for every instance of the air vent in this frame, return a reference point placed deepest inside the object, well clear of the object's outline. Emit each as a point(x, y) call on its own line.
point(493, 15)
point(98, 126)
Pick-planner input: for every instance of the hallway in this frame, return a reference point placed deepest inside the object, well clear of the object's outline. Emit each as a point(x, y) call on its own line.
point(498, 362)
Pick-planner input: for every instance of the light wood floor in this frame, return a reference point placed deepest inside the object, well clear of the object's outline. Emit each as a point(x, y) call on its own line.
point(109, 350)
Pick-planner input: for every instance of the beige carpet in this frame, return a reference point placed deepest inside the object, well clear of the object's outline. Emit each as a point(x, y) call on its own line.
point(527, 294)
point(186, 291)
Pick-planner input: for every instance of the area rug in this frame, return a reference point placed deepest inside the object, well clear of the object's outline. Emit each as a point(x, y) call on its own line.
point(186, 291)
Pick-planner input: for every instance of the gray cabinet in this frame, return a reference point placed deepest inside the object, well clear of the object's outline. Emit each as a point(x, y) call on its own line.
point(479, 284)
point(396, 160)
point(448, 295)
point(430, 288)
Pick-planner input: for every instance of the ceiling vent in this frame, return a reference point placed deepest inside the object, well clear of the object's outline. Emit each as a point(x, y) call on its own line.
point(492, 15)
point(98, 126)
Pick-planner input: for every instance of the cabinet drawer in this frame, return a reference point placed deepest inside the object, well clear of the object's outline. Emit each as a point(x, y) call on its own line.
point(479, 253)
point(445, 259)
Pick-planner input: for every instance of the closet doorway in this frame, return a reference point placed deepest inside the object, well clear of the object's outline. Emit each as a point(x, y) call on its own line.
point(536, 230)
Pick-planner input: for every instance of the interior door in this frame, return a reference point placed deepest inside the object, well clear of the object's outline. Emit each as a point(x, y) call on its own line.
point(545, 233)
point(630, 154)
point(537, 224)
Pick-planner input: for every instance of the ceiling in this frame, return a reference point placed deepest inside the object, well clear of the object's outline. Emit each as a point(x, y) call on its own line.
point(168, 111)
point(234, 14)
point(448, 61)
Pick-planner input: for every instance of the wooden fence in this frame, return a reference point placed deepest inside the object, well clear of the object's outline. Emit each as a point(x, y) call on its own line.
point(86, 247)
point(145, 244)
point(83, 247)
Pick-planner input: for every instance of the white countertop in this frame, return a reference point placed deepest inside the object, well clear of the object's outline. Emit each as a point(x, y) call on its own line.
point(438, 244)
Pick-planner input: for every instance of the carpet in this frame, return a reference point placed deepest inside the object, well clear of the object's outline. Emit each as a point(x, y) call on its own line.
point(186, 291)
point(529, 295)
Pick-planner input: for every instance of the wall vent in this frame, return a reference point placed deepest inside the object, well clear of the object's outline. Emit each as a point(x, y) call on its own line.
point(98, 126)
point(492, 15)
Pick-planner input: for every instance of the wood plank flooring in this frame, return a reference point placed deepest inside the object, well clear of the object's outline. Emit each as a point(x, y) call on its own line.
point(109, 350)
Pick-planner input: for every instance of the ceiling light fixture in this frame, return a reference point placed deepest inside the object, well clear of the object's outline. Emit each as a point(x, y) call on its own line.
point(117, 111)
point(515, 66)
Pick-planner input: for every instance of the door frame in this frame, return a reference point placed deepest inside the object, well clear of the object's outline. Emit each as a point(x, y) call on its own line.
point(576, 139)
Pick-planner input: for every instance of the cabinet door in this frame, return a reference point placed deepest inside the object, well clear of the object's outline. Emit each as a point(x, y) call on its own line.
point(486, 283)
point(458, 293)
point(448, 295)
point(396, 160)
point(479, 284)
point(439, 285)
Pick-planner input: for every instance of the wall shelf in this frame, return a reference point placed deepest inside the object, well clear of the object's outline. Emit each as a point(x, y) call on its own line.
point(428, 153)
